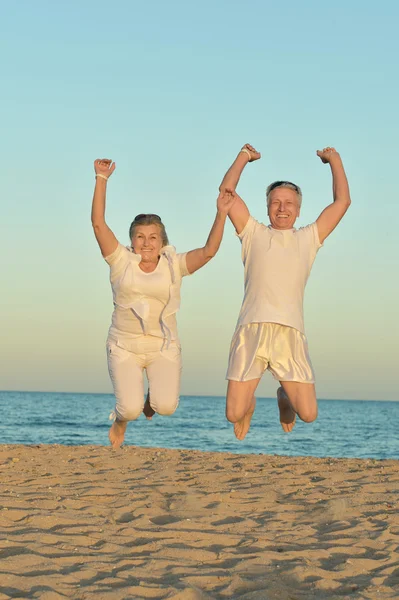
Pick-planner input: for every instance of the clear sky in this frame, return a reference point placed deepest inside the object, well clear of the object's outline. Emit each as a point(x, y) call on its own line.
point(171, 91)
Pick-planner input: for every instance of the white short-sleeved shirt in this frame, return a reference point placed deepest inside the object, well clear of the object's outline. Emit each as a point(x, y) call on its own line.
point(277, 264)
point(153, 290)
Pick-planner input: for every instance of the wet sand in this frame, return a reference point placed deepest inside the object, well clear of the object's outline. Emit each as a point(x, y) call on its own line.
point(89, 522)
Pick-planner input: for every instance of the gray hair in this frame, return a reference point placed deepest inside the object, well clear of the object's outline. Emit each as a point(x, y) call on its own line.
point(285, 184)
point(149, 219)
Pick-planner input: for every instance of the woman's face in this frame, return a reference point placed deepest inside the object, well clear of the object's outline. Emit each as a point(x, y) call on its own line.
point(147, 241)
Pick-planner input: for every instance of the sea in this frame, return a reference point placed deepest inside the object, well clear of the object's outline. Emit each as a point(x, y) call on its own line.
point(344, 428)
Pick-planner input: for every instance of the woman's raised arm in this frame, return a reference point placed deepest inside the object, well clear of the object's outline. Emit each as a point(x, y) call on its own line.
point(200, 256)
point(104, 236)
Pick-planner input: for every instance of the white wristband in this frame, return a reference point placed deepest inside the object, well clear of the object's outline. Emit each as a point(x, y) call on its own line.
point(102, 176)
point(246, 152)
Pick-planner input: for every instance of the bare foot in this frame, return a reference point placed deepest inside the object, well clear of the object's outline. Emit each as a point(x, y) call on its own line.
point(241, 428)
point(287, 415)
point(148, 410)
point(117, 433)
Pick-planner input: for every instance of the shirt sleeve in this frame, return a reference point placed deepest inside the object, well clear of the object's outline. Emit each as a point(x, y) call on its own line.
point(246, 236)
point(310, 241)
point(116, 255)
point(314, 235)
point(182, 260)
point(117, 260)
point(248, 230)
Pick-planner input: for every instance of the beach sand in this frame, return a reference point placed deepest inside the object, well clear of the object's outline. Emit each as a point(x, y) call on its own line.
point(89, 522)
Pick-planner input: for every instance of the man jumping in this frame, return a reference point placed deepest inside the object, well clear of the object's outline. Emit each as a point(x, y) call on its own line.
point(277, 262)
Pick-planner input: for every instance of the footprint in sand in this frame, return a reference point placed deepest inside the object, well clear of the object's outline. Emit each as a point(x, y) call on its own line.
point(165, 520)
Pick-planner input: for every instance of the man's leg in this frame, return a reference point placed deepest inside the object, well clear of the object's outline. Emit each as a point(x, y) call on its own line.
point(296, 398)
point(240, 405)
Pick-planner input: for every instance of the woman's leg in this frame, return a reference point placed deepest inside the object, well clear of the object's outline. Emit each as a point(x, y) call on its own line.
point(127, 379)
point(164, 374)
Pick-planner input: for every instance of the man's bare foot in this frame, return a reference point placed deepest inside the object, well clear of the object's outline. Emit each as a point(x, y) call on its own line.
point(117, 433)
point(148, 410)
point(241, 428)
point(287, 415)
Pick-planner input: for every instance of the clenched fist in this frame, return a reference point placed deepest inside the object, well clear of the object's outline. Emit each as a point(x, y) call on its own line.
point(104, 167)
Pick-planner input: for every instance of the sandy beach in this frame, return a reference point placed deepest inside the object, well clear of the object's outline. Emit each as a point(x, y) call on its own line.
point(89, 522)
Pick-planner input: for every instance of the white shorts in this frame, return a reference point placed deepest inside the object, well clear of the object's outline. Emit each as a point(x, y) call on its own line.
point(280, 349)
point(127, 359)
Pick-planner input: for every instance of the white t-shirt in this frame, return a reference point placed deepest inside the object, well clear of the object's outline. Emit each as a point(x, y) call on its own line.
point(153, 289)
point(277, 264)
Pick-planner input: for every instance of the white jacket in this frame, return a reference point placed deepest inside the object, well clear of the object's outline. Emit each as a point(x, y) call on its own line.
point(137, 302)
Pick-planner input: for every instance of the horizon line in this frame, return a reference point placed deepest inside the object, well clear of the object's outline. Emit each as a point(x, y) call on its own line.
point(190, 396)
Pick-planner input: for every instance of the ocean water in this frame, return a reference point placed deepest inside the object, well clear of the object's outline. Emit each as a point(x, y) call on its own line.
point(360, 429)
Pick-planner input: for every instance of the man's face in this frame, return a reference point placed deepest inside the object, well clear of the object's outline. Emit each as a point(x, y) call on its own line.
point(283, 208)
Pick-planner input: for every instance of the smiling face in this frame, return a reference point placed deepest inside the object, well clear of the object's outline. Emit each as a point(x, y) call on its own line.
point(147, 241)
point(283, 208)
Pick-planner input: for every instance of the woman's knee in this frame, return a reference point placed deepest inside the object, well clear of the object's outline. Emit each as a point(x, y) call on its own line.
point(164, 404)
point(128, 413)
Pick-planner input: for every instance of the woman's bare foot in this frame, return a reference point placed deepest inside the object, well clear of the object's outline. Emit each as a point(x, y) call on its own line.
point(117, 433)
point(287, 415)
point(148, 410)
point(241, 428)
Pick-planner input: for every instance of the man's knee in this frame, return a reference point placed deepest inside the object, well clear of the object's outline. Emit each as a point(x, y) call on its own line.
point(303, 400)
point(237, 404)
point(234, 413)
point(308, 414)
point(238, 400)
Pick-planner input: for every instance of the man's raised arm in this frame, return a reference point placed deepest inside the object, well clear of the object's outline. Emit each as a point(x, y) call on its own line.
point(331, 216)
point(239, 213)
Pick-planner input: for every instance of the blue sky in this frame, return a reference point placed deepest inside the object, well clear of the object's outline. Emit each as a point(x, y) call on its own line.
point(171, 91)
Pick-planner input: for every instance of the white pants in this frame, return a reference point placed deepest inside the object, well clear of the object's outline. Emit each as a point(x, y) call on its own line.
point(127, 360)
